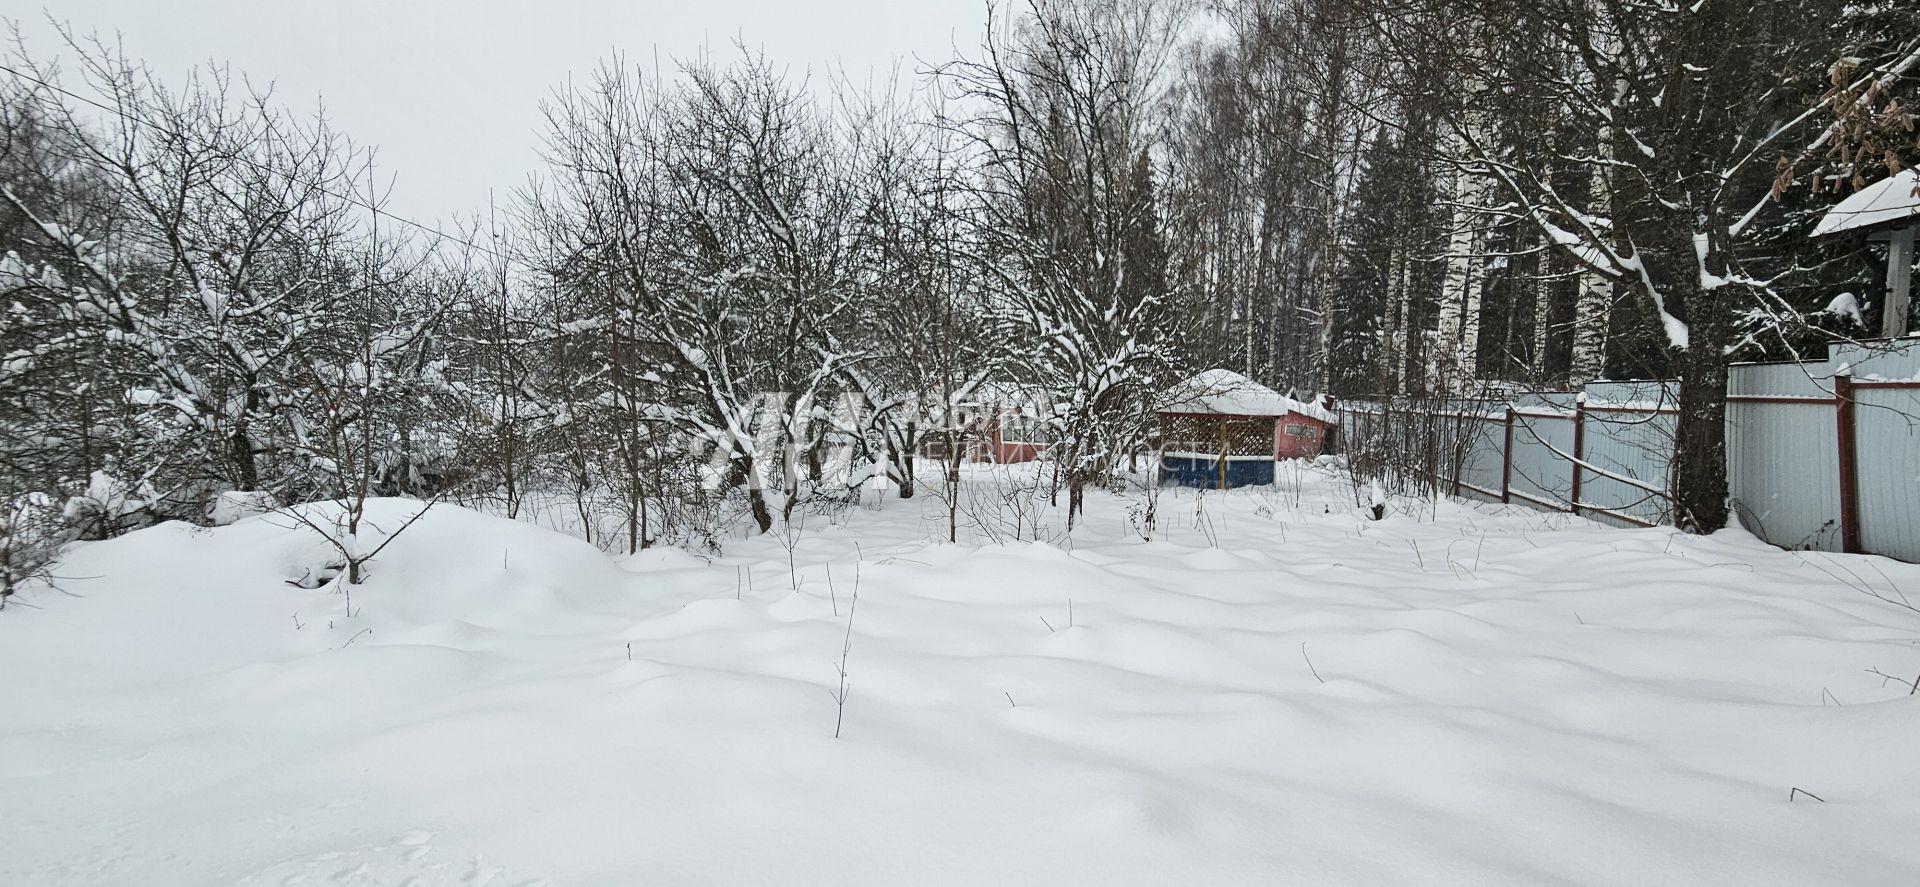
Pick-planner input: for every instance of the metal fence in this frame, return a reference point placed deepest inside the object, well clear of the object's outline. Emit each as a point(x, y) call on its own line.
point(1821, 455)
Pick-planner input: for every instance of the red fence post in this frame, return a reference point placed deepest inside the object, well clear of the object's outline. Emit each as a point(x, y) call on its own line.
point(1849, 465)
point(1506, 460)
point(1579, 452)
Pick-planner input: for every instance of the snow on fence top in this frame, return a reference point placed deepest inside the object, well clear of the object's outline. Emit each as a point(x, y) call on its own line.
point(1891, 199)
point(1227, 393)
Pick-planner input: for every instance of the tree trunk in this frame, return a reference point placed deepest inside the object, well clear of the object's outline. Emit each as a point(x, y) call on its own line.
point(1399, 309)
point(1331, 101)
point(240, 443)
point(953, 487)
point(646, 528)
point(757, 500)
point(1593, 307)
point(1076, 495)
point(633, 525)
point(906, 463)
point(1700, 439)
point(1543, 286)
point(1459, 334)
point(1700, 431)
point(509, 477)
point(1590, 321)
point(634, 509)
point(900, 457)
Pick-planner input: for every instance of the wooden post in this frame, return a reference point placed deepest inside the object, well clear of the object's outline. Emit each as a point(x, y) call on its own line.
point(1222, 483)
point(1893, 317)
point(1579, 452)
point(1506, 460)
point(1848, 458)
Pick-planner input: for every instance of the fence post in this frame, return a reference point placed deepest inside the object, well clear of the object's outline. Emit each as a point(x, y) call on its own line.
point(1579, 451)
point(1506, 460)
point(1848, 457)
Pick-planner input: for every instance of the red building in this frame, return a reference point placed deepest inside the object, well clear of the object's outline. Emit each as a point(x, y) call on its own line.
point(1013, 436)
point(999, 425)
point(1303, 435)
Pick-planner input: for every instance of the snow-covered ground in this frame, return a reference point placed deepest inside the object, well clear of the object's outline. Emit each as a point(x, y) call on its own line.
point(1501, 697)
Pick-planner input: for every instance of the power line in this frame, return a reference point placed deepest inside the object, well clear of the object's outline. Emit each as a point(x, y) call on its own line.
point(349, 198)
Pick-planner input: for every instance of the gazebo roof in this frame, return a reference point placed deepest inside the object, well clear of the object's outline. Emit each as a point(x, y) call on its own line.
point(1883, 204)
point(1227, 393)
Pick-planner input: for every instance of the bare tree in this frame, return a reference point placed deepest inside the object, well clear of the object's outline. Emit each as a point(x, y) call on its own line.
point(214, 264)
point(1069, 226)
point(377, 374)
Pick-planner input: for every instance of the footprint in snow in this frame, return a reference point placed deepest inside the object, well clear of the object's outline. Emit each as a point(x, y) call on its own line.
point(417, 843)
point(482, 874)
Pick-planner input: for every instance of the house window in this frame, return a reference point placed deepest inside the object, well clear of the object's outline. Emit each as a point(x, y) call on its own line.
point(1020, 430)
point(1307, 431)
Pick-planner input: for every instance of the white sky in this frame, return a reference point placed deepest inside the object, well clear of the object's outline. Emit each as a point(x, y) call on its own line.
point(449, 90)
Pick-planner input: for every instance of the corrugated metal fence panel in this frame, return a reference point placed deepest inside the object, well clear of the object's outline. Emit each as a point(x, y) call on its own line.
point(1783, 465)
point(1883, 361)
point(1633, 445)
point(1783, 471)
point(1550, 401)
point(1484, 455)
point(1648, 394)
point(1813, 379)
point(1539, 472)
point(1629, 444)
point(1469, 455)
point(1887, 423)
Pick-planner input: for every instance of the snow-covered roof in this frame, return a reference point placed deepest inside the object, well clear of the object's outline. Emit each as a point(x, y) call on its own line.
point(1889, 200)
point(1227, 393)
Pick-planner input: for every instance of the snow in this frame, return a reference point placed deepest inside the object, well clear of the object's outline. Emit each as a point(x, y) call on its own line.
point(108, 500)
point(231, 506)
point(1224, 392)
point(1890, 199)
point(1278, 690)
point(1847, 306)
point(1702, 244)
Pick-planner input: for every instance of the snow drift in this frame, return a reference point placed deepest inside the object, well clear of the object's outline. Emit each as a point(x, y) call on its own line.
point(1466, 697)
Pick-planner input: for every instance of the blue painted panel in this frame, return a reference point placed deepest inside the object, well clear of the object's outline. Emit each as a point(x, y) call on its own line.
point(1204, 472)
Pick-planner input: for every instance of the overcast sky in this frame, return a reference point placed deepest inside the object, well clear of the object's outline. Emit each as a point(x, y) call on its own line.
point(449, 89)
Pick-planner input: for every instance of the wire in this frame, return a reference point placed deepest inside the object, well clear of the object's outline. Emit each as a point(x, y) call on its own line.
point(349, 198)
